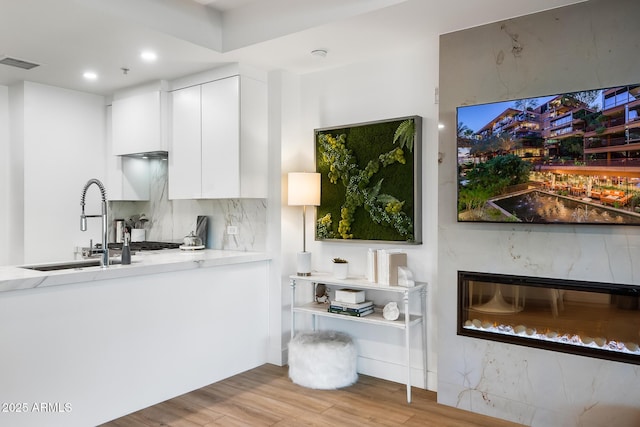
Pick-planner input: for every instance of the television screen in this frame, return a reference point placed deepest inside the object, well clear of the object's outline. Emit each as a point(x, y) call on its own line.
point(562, 159)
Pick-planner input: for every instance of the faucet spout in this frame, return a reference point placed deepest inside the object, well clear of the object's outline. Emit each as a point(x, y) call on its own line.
point(104, 259)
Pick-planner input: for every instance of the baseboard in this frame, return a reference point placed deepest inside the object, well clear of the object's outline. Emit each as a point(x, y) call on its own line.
point(391, 371)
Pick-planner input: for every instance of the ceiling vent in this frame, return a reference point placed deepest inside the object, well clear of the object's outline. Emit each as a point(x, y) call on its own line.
point(18, 63)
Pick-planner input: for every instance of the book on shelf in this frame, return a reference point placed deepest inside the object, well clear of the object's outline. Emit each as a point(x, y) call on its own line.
point(357, 306)
point(351, 310)
point(351, 313)
point(388, 262)
point(372, 265)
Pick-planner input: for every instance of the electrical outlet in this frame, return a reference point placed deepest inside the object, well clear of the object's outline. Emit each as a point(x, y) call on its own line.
point(232, 229)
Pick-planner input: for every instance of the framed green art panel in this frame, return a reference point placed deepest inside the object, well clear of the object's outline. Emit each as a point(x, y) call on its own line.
point(371, 181)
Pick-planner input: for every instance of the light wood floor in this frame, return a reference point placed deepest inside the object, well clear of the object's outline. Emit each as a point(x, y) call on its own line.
point(266, 397)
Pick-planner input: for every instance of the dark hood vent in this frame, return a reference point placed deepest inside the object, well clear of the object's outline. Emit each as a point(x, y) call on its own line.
point(18, 63)
point(162, 155)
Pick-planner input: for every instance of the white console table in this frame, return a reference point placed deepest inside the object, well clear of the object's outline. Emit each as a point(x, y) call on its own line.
point(404, 322)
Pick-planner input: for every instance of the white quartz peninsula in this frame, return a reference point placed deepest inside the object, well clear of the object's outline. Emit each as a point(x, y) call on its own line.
point(86, 346)
point(147, 262)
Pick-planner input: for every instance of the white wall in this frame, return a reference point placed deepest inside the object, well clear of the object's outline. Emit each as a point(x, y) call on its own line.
point(284, 99)
point(292, 159)
point(15, 203)
point(64, 133)
point(585, 46)
point(4, 174)
point(386, 88)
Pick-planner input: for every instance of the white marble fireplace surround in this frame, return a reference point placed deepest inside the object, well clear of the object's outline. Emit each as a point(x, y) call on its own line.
point(584, 46)
point(171, 220)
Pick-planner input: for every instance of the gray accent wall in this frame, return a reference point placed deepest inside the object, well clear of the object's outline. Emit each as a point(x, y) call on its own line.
point(584, 46)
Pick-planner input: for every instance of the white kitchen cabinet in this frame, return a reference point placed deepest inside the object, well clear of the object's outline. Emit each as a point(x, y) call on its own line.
point(219, 140)
point(127, 177)
point(139, 123)
point(185, 168)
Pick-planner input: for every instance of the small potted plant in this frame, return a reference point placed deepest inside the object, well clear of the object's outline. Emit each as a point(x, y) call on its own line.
point(340, 268)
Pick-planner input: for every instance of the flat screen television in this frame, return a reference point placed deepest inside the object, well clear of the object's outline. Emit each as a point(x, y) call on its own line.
point(569, 158)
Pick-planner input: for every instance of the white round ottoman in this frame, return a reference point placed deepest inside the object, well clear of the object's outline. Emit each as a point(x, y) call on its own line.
point(322, 360)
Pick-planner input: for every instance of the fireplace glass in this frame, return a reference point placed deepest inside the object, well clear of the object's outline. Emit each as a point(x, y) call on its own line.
point(586, 318)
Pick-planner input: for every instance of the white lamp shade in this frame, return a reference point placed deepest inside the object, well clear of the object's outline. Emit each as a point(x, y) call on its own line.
point(304, 189)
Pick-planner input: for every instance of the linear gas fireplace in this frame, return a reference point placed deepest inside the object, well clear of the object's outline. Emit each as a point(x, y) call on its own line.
point(586, 318)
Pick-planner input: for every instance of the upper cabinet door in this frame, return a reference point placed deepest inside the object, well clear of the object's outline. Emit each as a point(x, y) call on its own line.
point(137, 123)
point(185, 154)
point(221, 138)
point(127, 177)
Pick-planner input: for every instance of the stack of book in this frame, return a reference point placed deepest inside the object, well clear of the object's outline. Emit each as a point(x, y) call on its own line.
point(360, 309)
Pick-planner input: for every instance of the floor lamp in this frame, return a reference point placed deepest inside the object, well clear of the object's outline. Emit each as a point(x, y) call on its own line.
point(304, 190)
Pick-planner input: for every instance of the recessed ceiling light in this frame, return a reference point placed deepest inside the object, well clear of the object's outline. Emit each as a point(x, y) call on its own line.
point(148, 56)
point(90, 75)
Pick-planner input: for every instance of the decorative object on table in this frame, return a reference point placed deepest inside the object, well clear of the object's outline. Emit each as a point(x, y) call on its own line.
point(391, 311)
point(202, 229)
point(340, 268)
point(371, 179)
point(323, 360)
point(138, 235)
point(191, 243)
point(351, 296)
point(388, 262)
point(358, 310)
point(119, 230)
point(125, 257)
point(136, 224)
point(322, 293)
point(303, 190)
point(405, 277)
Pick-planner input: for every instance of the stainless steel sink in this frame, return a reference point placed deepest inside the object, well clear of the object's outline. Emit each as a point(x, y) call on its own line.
point(71, 265)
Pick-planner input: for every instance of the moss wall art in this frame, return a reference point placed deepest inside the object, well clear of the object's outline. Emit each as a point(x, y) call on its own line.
point(370, 187)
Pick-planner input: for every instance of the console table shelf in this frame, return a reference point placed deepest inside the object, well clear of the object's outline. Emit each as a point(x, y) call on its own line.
point(374, 319)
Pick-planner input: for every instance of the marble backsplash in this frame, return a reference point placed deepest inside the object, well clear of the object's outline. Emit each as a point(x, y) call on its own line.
point(171, 220)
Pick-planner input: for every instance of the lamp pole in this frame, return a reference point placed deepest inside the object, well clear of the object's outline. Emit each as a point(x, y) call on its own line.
point(304, 228)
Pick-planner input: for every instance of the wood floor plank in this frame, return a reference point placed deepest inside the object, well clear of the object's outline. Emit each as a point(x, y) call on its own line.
point(359, 416)
point(129, 421)
point(228, 421)
point(279, 403)
point(164, 415)
point(192, 411)
point(265, 396)
point(236, 402)
point(283, 392)
point(380, 411)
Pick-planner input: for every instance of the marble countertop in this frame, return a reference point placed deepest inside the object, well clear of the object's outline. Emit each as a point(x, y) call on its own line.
point(15, 278)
